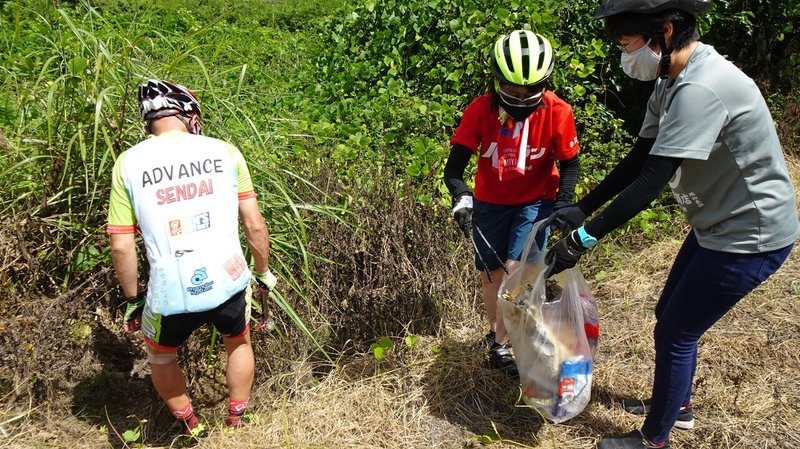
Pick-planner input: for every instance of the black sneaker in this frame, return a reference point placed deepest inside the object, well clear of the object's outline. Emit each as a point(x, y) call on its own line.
point(485, 343)
point(500, 358)
point(631, 440)
point(642, 407)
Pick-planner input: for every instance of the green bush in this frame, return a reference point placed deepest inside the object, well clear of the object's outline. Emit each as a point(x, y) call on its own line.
point(762, 37)
point(392, 78)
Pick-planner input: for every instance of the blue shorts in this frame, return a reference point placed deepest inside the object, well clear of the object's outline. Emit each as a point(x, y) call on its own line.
point(506, 229)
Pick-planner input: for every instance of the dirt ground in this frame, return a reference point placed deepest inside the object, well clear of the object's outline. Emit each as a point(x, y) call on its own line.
point(438, 394)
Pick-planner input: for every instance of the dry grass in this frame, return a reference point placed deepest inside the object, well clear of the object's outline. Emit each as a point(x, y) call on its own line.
point(441, 395)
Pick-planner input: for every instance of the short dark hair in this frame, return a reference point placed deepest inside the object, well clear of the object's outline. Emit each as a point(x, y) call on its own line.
point(650, 26)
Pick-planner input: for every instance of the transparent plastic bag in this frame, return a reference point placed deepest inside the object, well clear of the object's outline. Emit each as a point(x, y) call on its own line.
point(554, 328)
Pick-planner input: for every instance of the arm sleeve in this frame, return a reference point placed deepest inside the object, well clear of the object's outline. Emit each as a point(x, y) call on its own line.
point(655, 173)
point(620, 177)
point(454, 170)
point(569, 171)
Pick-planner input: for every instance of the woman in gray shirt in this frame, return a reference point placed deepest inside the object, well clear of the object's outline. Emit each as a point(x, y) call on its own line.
point(709, 135)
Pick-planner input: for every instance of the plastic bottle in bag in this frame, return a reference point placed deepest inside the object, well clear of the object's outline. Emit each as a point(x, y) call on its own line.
point(573, 394)
point(554, 329)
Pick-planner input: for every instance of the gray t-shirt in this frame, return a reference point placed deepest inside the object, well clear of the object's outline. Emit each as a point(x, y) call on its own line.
point(733, 184)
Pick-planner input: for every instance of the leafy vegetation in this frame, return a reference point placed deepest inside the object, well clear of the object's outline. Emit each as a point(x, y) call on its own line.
point(343, 111)
point(400, 74)
point(68, 83)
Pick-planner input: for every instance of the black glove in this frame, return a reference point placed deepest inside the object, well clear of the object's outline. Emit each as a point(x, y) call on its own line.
point(567, 219)
point(564, 254)
point(462, 213)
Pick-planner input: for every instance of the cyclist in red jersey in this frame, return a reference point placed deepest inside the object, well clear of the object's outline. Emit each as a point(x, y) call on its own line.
point(527, 147)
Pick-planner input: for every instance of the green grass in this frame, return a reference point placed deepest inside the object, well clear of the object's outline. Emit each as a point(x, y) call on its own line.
point(68, 110)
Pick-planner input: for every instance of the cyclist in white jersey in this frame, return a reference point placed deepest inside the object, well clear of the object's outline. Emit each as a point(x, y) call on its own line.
point(186, 193)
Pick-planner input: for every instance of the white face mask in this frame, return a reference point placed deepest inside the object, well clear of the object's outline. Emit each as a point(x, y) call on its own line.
point(641, 64)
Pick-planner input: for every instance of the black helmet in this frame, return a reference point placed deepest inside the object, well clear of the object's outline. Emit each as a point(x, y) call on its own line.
point(614, 7)
point(161, 98)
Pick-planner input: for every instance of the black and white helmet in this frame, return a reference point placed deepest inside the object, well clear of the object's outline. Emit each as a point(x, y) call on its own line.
point(614, 7)
point(161, 98)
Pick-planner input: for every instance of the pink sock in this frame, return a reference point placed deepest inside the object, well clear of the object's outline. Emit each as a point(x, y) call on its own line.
point(236, 410)
point(237, 407)
point(187, 416)
point(654, 444)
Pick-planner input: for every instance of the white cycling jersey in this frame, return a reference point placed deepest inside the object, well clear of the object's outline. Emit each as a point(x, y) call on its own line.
point(183, 191)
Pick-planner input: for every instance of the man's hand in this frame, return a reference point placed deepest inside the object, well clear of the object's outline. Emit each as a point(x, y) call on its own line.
point(265, 282)
point(567, 219)
point(462, 213)
point(564, 254)
point(132, 320)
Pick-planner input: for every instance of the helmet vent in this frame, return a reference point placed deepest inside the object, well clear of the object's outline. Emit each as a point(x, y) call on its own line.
point(522, 58)
point(540, 63)
point(507, 54)
point(526, 55)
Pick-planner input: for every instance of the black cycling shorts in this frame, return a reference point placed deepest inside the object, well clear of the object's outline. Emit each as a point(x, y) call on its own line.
point(231, 319)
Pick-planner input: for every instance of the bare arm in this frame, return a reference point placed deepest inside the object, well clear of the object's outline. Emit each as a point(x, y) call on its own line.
point(255, 230)
point(123, 256)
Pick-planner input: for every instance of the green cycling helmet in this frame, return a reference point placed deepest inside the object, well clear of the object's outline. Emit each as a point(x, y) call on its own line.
point(522, 58)
point(614, 7)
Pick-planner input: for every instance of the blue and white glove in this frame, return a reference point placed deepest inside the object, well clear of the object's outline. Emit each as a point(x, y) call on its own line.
point(566, 252)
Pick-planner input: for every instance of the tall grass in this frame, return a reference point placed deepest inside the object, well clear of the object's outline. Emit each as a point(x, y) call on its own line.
point(68, 110)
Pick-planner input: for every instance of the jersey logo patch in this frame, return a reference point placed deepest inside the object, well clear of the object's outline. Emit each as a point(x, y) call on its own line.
point(175, 228)
point(199, 276)
point(235, 267)
point(190, 224)
point(197, 279)
point(200, 221)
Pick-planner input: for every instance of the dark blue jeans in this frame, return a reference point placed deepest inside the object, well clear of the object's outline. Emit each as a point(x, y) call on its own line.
point(702, 286)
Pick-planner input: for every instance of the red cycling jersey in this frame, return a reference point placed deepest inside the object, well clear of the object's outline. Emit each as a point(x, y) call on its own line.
point(509, 172)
